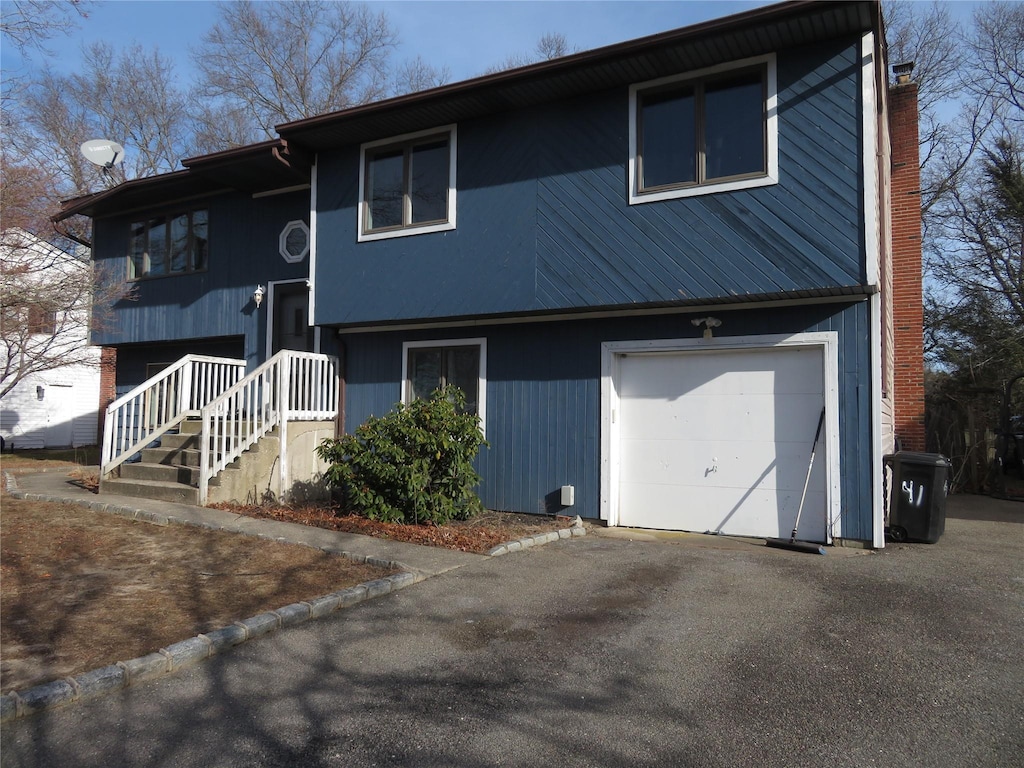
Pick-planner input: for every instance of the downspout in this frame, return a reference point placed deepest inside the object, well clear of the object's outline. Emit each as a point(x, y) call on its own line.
point(339, 424)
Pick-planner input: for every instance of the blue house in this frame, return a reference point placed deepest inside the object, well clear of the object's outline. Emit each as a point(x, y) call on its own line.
point(660, 271)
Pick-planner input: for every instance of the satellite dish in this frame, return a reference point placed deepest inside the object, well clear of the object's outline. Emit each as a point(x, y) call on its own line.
point(103, 153)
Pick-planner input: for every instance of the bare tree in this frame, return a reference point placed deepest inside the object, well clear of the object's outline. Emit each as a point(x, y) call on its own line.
point(997, 56)
point(551, 45)
point(414, 75)
point(985, 232)
point(128, 97)
point(28, 26)
point(275, 62)
point(49, 297)
point(32, 23)
point(950, 129)
point(50, 130)
point(974, 241)
point(133, 99)
point(978, 237)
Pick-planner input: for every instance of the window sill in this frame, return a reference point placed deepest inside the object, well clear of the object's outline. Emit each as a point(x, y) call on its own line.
point(147, 278)
point(387, 234)
point(637, 198)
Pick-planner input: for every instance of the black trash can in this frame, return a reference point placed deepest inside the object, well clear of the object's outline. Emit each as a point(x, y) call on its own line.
point(917, 500)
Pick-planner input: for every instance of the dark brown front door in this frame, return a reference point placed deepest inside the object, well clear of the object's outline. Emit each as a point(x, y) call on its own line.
point(291, 318)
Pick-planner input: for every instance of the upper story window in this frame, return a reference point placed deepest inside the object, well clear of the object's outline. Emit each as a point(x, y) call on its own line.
point(169, 245)
point(708, 131)
point(42, 320)
point(29, 319)
point(407, 185)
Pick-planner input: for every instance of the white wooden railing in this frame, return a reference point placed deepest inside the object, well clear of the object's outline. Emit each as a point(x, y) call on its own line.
point(290, 386)
point(141, 416)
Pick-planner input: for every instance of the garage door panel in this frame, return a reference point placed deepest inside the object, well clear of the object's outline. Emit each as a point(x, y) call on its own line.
point(694, 415)
point(739, 465)
point(671, 376)
point(721, 441)
point(742, 418)
point(729, 511)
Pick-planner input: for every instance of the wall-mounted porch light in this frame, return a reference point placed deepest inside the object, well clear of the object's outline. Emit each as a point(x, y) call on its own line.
point(257, 295)
point(708, 323)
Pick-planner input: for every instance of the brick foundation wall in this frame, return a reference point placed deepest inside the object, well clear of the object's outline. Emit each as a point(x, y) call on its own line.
point(108, 389)
point(907, 290)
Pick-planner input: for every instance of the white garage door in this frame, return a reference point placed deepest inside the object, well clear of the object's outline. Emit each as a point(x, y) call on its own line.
point(721, 440)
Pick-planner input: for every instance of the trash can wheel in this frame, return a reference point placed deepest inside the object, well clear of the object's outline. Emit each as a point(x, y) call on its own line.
point(896, 533)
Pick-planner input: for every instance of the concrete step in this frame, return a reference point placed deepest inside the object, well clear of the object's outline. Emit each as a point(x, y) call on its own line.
point(195, 426)
point(152, 489)
point(180, 440)
point(187, 457)
point(170, 473)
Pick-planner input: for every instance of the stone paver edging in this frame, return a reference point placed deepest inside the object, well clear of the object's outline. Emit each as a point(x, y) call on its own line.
point(577, 529)
point(190, 652)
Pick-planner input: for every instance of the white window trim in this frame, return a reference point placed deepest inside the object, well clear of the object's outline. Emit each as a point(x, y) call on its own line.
point(362, 236)
point(772, 130)
point(482, 381)
point(272, 292)
point(611, 357)
point(282, 241)
point(312, 249)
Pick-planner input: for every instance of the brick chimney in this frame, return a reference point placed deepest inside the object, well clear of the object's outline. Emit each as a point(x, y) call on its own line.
point(907, 290)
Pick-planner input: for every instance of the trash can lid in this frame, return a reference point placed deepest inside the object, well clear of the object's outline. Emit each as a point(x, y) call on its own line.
point(913, 457)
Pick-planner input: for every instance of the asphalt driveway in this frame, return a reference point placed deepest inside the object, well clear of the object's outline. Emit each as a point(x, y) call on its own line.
point(605, 652)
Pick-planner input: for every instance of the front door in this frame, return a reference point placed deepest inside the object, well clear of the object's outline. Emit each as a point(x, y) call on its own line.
point(291, 318)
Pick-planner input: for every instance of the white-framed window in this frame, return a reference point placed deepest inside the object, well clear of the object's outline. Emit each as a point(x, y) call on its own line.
point(714, 130)
point(429, 365)
point(293, 242)
point(407, 184)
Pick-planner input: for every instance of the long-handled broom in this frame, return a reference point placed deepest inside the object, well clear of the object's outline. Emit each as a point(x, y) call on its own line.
point(792, 543)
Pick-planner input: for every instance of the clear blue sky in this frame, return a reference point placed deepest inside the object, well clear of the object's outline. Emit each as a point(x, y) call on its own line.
point(468, 37)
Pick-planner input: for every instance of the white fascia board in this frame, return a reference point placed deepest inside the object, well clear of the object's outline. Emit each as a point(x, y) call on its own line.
point(312, 249)
point(869, 159)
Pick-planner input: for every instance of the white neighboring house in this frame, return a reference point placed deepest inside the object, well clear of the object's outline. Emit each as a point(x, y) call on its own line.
point(46, 331)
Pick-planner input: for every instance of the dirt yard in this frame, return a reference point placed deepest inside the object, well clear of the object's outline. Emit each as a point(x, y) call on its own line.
point(82, 589)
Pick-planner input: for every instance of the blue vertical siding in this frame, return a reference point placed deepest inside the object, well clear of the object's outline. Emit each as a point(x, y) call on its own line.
point(544, 222)
point(544, 398)
point(485, 265)
point(215, 303)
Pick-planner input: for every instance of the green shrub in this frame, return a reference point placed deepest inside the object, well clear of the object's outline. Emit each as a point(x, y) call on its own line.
point(414, 465)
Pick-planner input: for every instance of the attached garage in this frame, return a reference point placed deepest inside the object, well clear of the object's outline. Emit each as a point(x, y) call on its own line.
point(716, 435)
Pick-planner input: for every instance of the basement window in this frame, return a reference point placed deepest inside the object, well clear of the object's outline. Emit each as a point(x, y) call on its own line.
point(430, 365)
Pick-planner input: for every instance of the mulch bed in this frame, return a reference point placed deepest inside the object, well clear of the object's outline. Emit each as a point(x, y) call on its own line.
point(479, 534)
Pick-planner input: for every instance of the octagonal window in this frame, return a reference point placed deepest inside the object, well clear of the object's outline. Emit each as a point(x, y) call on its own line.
point(294, 241)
